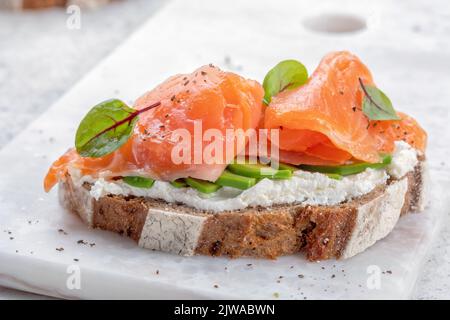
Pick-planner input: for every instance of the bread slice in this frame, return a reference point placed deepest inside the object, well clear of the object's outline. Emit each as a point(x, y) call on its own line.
point(322, 232)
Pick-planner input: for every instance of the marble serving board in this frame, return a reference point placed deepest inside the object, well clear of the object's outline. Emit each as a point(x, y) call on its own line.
point(42, 247)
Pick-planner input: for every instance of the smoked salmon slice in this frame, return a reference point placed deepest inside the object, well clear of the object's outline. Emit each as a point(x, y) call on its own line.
point(322, 121)
point(208, 97)
point(319, 123)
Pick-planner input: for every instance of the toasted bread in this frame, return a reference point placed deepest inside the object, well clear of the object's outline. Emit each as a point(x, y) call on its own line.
point(321, 232)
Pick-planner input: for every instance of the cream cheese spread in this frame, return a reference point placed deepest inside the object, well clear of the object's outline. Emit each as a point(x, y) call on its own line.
point(304, 187)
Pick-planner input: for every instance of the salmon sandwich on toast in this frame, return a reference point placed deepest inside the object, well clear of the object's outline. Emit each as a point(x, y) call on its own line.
point(211, 163)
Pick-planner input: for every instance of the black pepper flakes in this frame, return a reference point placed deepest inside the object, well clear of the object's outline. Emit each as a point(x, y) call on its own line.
point(216, 247)
point(60, 249)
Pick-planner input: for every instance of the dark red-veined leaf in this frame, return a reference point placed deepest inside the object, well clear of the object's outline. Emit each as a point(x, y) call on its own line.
point(106, 127)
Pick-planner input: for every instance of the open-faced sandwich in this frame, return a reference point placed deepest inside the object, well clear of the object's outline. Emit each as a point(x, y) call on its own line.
point(214, 164)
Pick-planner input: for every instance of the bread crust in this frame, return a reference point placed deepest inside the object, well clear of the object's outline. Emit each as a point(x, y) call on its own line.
point(321, 232)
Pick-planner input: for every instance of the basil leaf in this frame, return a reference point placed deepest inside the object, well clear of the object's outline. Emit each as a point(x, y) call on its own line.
point(106, 127)
point(288, 74)
point(139, 182)
point(376, 105)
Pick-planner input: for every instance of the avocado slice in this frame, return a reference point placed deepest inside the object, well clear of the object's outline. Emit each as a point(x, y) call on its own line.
point(139, 182)
point(349, 169)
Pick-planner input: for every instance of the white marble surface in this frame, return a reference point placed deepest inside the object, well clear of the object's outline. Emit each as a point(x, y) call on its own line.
point(58, 59)
point(40, 58)
point(411, 59)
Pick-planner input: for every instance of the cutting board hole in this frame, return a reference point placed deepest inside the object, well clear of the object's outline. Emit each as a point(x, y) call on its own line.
point(335, 23)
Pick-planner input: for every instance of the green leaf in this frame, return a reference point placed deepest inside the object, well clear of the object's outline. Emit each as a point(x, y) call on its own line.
point(376, 105)
point(287, 74)
point(106, 127)
point(98, 133)
point(139, 182)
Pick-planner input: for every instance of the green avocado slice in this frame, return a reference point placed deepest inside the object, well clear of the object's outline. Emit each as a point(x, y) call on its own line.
point(230, 179)
point(139, 182)
point(349, 169)
point(259, 171)
point(202, 185)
